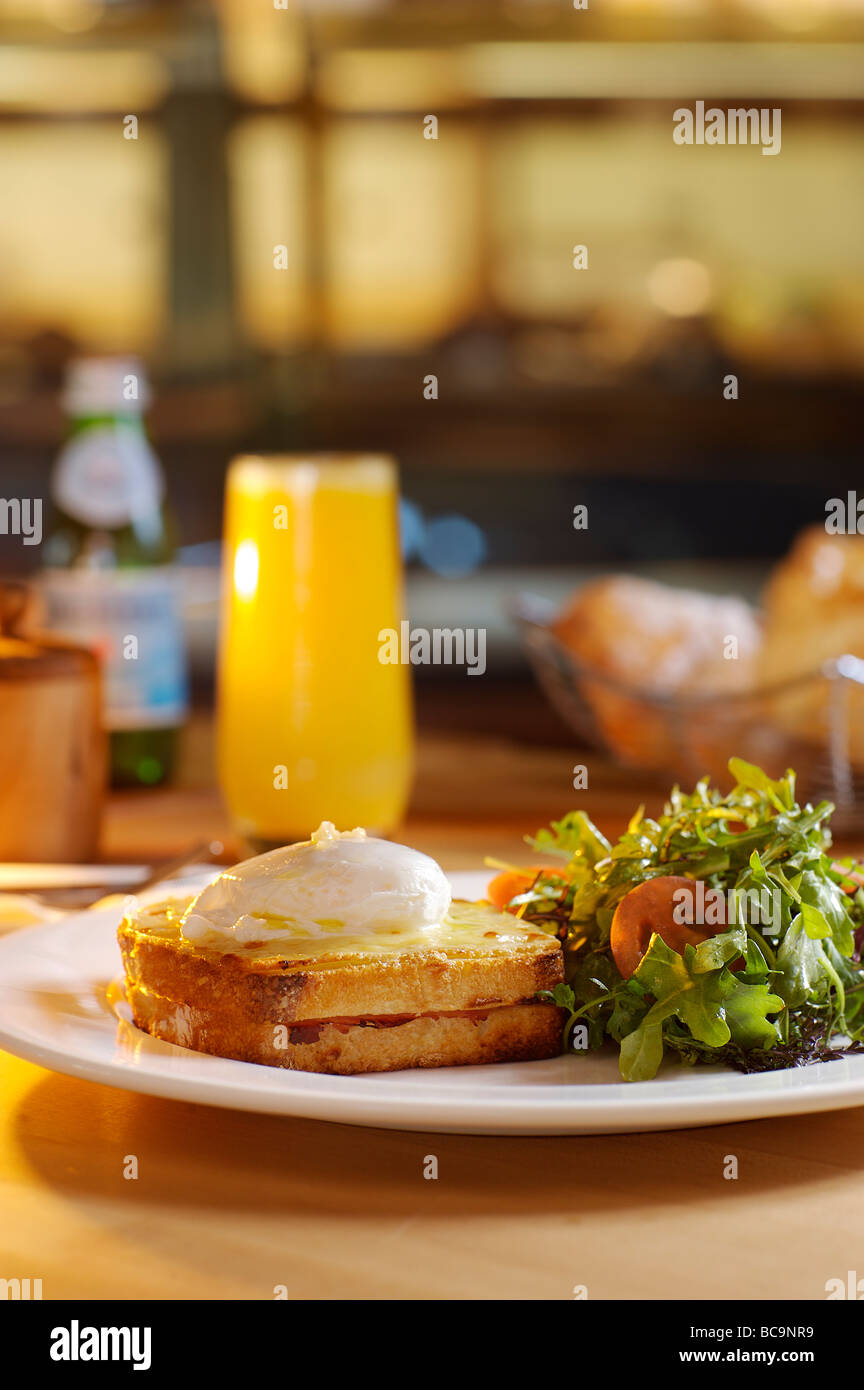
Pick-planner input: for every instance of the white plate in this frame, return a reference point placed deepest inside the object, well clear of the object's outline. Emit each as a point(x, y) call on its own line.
point(55, 1010)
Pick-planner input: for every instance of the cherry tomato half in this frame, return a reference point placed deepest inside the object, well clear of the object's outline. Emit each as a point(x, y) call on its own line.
point(653, 907)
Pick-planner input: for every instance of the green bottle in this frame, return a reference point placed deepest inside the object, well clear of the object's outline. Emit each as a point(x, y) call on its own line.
point(109, 579)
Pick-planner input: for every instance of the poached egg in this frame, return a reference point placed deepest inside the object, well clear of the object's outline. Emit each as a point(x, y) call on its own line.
point(338, 884)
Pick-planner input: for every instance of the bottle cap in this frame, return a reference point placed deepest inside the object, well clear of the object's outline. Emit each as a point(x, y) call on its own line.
point(106, 386)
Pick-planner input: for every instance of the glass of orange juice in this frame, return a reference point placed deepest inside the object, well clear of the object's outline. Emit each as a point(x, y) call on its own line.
point(312, 725)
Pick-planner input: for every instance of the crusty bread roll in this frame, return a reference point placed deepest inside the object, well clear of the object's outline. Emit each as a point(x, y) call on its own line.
point(814, 612)
point(660, 642)
point(814, 605)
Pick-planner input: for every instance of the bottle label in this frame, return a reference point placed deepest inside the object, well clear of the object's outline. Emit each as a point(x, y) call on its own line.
point(132, 620)
point(107, 476)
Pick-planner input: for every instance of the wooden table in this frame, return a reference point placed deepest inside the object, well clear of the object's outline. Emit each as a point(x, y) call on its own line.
point(229, 1205)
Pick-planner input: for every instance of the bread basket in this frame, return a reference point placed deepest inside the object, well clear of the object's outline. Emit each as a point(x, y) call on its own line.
point(813, 723)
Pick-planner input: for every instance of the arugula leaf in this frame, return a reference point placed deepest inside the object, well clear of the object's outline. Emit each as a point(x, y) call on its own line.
point(820, 894)
point(562, 995)
point(713, 1004)
point(719, 950)
point(756, 971)
point(801, 964)
point(629, 1008)
point(814, 922)
point(746, 1009)
point(574, 834)
point(694, 996)
point(642, 1052)
point(781, 793)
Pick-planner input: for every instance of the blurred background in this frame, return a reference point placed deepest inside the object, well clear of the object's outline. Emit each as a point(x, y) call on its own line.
point(302, 128)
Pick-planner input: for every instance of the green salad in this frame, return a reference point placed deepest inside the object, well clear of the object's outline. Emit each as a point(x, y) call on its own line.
point(772, 978)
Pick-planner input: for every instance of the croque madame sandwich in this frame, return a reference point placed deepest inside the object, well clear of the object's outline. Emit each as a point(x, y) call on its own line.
point(341, 954)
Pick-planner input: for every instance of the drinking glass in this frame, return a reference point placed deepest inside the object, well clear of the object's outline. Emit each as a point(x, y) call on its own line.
point(312, 725)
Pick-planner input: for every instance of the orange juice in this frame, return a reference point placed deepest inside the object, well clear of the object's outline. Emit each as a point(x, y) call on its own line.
point(312, 725)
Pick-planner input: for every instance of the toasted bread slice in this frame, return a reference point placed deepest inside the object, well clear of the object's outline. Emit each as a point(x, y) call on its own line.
point(468, 998)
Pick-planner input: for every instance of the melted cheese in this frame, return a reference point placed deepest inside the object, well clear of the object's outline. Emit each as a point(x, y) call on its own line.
point(469, 928)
